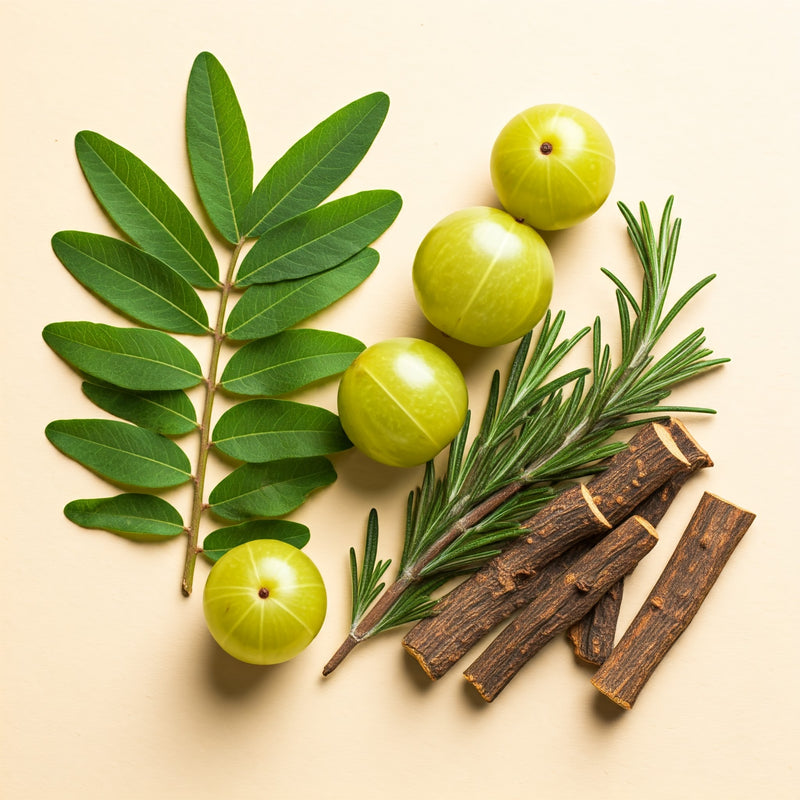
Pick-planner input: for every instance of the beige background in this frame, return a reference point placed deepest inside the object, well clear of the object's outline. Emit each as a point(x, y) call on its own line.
point(109, 683)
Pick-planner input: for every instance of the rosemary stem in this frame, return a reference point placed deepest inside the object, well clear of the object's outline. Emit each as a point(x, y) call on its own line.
point(369, 623)
point(366, 627)
point(210, 381)
point(616, 395)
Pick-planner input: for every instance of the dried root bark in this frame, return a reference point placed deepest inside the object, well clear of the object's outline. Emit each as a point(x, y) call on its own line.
point(578, 589)
point(508, 582)
point(653, 456)
point(593, 636)
point(505, 584)
point(710, 538)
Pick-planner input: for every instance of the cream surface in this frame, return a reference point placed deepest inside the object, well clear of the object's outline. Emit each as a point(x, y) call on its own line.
point(110, 684)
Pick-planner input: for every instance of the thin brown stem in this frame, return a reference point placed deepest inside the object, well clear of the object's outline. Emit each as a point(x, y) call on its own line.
point(469, 520)
point(603, 415)
point(210, 381)
point(713, 533)
point(366, 627)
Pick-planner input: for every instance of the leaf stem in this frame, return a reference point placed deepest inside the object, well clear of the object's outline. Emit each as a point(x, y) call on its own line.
point(366, 627)
point(569, 436)
point(210, 381)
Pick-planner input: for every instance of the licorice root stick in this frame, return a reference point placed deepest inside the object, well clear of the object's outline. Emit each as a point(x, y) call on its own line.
point(505, 584)
point(654, 454)
point(714, 531)
point(593, 636)
point(566, 601)
point(481, 602)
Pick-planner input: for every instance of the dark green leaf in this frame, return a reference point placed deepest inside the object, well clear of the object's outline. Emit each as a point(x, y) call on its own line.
point(271, 430)
point(218, 542)
point(368, 585)
point(132, 358)
point(265, 310)
point(121, 452)
point(269, 490)
point(319, 239)
point(146, 209)
point(288, 361)
point(316, 165)
point(170, 413)
point(415, 603)
point(132, 281)
point(218, 144)
point(140, 517)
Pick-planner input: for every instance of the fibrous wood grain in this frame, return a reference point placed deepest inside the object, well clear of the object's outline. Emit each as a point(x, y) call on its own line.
point(593, 636)
point(714, 531)
point(567, 599)
point(508, 581)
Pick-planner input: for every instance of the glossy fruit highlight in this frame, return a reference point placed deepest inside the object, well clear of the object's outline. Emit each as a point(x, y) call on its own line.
point(264, 601)
point(402, 401)
point(482, 277)
point(552, 166)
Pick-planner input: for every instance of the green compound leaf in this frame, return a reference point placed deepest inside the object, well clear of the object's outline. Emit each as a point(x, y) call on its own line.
point(132, 281)
point(269, 490)
point(268, 309)
point(272, 430)
point(288, 361)
point(120, 452)
point(170, 413)
point(316, 165)
point(312, 255)
point(131, 358)
point(146, 209)
point(218, 542)
point(139, 517)
point(219, 146)
point(321, 238)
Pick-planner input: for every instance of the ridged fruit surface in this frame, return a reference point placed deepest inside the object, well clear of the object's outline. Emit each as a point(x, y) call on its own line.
point(482, 277)
point(552, 166)
point(402, 401)
point(264, 601)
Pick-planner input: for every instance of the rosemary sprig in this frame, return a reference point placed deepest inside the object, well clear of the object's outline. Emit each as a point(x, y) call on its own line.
point(537, 433)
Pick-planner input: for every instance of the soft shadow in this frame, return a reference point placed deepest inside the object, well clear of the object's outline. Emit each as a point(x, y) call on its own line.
point(232, 678)
point(603, 708)
point(470, 358)
point(416, 675)
point(367, 476)
point(554, 240)
point(424, 685)
point(486, 196)
point(607, 710)
point(473, 697)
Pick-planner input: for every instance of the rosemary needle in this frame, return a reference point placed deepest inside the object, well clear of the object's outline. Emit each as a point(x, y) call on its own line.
point(539, 430)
